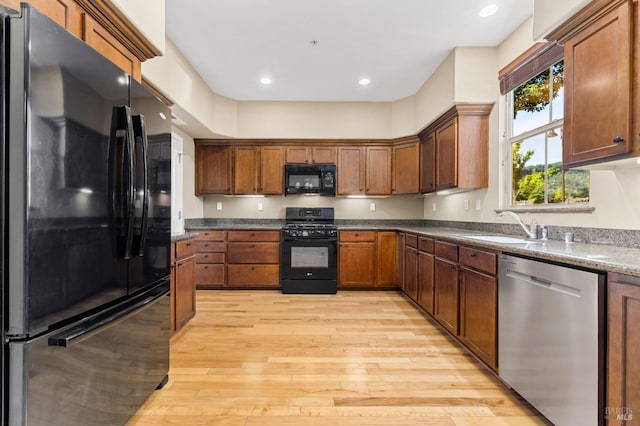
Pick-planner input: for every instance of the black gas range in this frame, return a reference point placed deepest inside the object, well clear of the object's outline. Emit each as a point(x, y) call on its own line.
point(309, 249)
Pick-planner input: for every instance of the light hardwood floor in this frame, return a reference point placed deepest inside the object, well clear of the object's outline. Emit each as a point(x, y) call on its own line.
point(355, 358)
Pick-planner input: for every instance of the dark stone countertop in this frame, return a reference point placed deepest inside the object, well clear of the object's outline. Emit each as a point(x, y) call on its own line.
point(181, 236)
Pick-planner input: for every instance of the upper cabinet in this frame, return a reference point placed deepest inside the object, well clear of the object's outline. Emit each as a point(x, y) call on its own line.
point(213, 169)
point(454, 149)
point(364, 170)
point(601, 82)
point(102, 26)
point(406, 167)
point(311, 154)
point(258, 170)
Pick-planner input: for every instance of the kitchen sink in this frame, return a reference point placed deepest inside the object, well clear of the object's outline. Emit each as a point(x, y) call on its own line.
point(500, 239)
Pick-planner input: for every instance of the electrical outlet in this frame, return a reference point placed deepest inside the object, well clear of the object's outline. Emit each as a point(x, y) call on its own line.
point(433, 206)
point(219, 205)
point(372, 207)
point(259, 207)
point(478, 204)
point(466, 204)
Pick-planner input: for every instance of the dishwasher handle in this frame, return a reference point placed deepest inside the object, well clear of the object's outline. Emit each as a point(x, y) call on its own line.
point(546, 284)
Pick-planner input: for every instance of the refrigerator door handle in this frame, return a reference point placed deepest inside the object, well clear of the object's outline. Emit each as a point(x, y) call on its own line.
point(121, 190)
point(83, 332)
point(141, 160)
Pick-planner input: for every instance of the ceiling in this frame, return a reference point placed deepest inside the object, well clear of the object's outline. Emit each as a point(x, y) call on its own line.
point(318, 50)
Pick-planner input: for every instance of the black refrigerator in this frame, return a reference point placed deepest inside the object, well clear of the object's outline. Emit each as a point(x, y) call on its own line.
point(85, 205)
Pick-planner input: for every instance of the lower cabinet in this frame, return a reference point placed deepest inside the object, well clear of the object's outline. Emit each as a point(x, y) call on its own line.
point(426, 267)
point(411, 266)
point(211, 252)
point(367, 259)
point(183, 296)
point(623, 348)
point(253, 259)
point(446, 289)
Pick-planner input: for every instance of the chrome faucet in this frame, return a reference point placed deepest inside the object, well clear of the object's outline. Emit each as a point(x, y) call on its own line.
point(532, 230)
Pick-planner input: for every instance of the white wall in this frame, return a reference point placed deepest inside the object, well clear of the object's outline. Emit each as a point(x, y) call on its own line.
point(193, 206)
point(549, 14)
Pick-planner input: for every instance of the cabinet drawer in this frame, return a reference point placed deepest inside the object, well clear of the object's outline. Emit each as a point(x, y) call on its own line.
point(184, 249)
point(210, 246)
point(446, 250)
point(210, 235)
point(210, 274)
point(253, 253)
point(210, 258)
point(426, 244)
point(481, 260)
point(253, 275)
point(355, 236)
point(411, 240)
point(254, 235)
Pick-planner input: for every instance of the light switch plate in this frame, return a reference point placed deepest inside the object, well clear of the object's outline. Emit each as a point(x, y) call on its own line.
point(259, 207)
point(478, 204)
point(466, 204)
point(219, 205)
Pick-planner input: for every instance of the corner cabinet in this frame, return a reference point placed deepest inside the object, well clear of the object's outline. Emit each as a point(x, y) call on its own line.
point(601, 121)
point(454, 149)
point(406, 167)
point(367, 259)
point(623, 349)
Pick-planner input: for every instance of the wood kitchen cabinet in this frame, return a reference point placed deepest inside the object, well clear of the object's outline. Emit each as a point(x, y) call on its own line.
point(183, 306)
point(411, 266)
point(356, 259)
point(623, 348)
point(406, 168)
point(253, 259)
point(311, 154)
point(211, 252)
point(454, 149)
point(601, 120)
point(213, 169)
point(364, 170)
point(400, 243)
point(479, 303)
point(386, 259)
point(258, 170)
point(446, 290)
point(426, 265)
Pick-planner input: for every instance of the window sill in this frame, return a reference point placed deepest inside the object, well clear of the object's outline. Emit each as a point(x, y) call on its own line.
point(582, 208)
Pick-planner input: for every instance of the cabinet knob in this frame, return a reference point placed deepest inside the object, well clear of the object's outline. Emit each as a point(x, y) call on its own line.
point(473, 255)
point(252, 246)
point(357, 235)
point(253, 268)
point(188, 244)
point(206, 267)
point(618, 139)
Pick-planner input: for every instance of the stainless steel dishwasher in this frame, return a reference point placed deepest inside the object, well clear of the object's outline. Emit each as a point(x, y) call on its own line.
point(551, 338)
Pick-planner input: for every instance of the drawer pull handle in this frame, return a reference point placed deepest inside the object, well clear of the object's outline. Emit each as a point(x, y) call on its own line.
point(357, 235)
point(206, 267)
point(473, 255)
point(252, 246)
point(188, 244)
point(253, 268)
point(618, 139)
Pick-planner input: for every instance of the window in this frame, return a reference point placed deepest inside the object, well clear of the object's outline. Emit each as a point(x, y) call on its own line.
point(535, 138)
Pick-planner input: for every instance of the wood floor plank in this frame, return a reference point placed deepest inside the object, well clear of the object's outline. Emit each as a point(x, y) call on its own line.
point(355, 358)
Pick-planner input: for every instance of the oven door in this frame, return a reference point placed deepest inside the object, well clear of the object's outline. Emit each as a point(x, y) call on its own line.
point(309, 259)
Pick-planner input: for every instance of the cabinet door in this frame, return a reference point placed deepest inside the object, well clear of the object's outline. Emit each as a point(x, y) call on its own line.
point(406, 166)
point(185, 302)
point(245, 170)
point(428, 164)
point(65, 12)
point(386, 259)
point(400, 243)
point(271, 170)
point(411, 272)
point(426, 264)
point(356, 264)
point(213, 169)
point(623, 387)
point(478, 314)
point(172, 301)
point(447, 155)
point(597, 103)
point(104, 42)
point(446, 294)
point(297, 154)
point(378, 171)
point(323, 154)
point(351, 170)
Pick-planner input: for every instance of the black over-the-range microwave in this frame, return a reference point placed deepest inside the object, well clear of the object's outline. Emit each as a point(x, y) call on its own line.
point(315, 178)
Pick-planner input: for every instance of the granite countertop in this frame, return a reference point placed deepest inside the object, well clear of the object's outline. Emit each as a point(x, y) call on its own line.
point(181, 236)
point(603, 257)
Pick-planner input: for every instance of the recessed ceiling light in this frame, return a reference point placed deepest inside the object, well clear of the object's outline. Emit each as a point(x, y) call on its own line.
point(488, 10)
point(364, 81)
point(265, 80)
